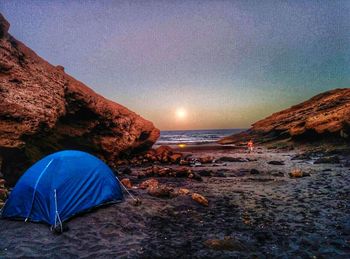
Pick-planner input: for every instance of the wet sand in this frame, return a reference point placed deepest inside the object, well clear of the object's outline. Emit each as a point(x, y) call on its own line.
point(263, 215)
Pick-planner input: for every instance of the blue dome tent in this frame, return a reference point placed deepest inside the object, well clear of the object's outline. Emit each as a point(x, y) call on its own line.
point(61, 185)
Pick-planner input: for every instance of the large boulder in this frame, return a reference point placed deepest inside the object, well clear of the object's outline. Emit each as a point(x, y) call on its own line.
point(42, 110)
point(325, 116)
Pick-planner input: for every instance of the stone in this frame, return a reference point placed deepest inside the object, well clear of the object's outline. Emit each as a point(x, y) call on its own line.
point(43, 110)
point(161, 191)
point(3, 194)
point(149, 183)
point(183, 191)
point(275, 163)
point(163, 151)
point(182, 171)
point(206, 160)
point(297, 173)
point(184, 162)
point(175, 158)
point(200, 199)
point(127, 183)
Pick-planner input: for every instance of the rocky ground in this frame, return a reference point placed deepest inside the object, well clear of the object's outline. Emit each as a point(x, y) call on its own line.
point(270, 203)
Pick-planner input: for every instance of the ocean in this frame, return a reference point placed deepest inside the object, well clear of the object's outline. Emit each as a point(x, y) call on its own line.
point(174, 137)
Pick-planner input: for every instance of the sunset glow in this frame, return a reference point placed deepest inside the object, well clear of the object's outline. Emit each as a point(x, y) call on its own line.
point(181, 113)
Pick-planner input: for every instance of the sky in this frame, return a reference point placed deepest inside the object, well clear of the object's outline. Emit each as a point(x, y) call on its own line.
point(193, 64)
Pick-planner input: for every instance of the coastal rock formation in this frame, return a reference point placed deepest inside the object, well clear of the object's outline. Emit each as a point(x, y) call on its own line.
point(323, 116)
point(42, 110)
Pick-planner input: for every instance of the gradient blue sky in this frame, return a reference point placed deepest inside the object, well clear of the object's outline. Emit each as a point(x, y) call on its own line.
point(227, 63)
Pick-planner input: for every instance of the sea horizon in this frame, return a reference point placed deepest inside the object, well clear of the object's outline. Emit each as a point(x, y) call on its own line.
point(194, 137)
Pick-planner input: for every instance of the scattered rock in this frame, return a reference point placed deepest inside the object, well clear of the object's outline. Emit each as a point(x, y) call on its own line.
point(183, 191)
point(200, 199)
point(127, 183)
point(276, 162)
point(328, 160)
point(184, 162)
point(182, 171)
point(228, 243)
point(149, 183)
point(297, 173)
point(3, 194)
point(175, 158)
point(161, 191)
point(206, 160)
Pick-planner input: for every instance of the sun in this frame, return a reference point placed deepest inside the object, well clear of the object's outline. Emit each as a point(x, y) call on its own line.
point(181, 113)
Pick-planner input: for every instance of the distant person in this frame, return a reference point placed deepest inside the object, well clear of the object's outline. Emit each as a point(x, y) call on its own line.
point(250, 145)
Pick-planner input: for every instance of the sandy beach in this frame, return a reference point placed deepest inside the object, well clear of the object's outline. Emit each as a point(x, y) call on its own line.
point(258, 213)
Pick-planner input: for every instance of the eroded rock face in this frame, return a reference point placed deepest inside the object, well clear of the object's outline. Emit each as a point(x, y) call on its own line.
point(325, 115)
point(42, 110)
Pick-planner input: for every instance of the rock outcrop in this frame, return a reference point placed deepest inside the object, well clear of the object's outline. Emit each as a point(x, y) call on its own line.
point(326, 115)
point(42, 110)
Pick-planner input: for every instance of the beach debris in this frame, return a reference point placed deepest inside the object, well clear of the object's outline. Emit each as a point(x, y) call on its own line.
point(127, 183)
point(149, 183)
point(228, 243)
point(161, 191)
point(328, 160)
point(297, 173)
point(200, 199)
point(274, 162)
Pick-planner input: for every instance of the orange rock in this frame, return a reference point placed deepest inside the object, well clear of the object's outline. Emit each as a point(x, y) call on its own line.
point(149, 183)
point(175, 157)
point(164, 151)
point(160, 191)
point(182, 171)
point(325, 114)
point(126, 182)
point(183, 191)
point(200, 199)
point(206, 159)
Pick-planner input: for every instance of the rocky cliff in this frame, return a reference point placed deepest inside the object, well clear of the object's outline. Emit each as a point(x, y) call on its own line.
point(42, 110)
point(325, 116)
